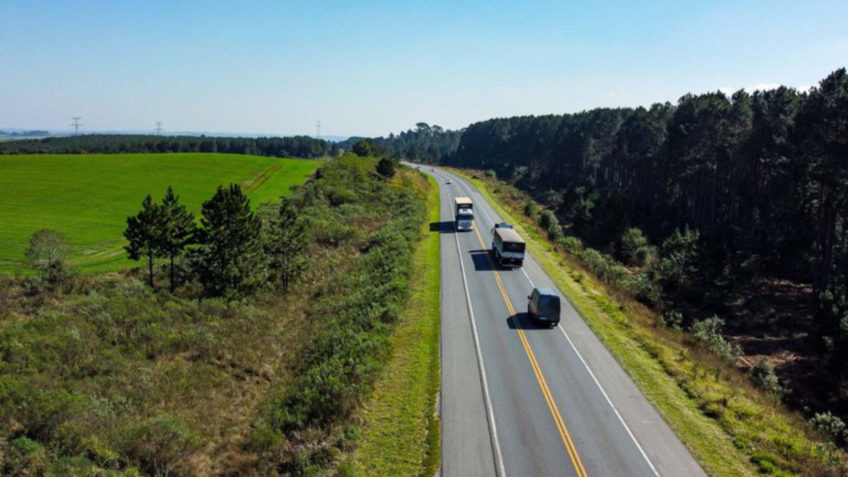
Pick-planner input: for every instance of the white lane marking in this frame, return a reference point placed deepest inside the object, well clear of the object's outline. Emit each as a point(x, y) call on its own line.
point(496, 447)
point(586, 365)
point(609, 401)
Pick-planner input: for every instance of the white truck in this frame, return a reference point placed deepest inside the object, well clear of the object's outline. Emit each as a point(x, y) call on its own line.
point(508, 247)
point(464, 213)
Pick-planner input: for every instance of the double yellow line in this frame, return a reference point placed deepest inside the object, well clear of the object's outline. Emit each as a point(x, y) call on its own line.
point(537, 370)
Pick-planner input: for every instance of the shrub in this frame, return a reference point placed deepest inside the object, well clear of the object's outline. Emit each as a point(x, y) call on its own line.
point(762, 375)
point(679, 253)
point(490, 173)
point(531, 210)
point(646, 290)
point(48, 249)
point(571, 244)
point(708, 331)
point(671, 319)
point(161, 445)
point(828, 424)
point(630, 242)
point(386, 167)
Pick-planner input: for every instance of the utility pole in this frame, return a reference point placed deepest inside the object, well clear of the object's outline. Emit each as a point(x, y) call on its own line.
point(318, 129)
point(76, 124)
point(158, 128)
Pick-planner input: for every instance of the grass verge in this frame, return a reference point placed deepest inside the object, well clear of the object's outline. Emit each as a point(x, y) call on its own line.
point(730, 428)
point(400, 431)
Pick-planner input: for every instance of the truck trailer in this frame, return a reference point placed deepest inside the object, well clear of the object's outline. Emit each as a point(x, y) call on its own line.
point(508, 247)
point(464, 213)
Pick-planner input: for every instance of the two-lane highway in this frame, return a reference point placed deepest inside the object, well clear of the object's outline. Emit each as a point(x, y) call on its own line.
point(520, 400)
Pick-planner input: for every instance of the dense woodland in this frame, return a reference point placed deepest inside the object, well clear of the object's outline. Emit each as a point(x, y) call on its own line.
point(736, 193)
point(295, 146)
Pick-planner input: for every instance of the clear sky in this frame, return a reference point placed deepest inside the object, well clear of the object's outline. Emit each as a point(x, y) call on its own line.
point(374, 67)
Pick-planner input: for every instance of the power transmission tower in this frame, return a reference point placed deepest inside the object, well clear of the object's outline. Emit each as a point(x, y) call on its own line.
point(318, 129)
point(158, 128)
point(76, 124)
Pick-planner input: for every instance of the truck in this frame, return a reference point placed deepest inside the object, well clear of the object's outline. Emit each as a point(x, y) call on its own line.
point(464, 213)
point(508, 247)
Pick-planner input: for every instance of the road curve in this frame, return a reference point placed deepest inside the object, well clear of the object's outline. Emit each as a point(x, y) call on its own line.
point(518, 400)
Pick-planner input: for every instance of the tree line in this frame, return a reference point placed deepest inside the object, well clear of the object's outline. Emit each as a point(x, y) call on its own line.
point(425, 143)
point(294, 146)
point(738, 187)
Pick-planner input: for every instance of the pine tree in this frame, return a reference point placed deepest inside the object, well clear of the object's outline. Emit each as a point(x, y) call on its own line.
point(287, 243)
point(177, 229)
point(143, 233)
point(230, 260)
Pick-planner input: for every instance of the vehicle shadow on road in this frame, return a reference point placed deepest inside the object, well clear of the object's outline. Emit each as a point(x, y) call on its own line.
point(442, 227)
point(482, 260)
point(524, 322)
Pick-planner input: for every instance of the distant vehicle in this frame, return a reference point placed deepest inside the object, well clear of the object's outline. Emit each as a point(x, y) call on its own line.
point(508, 247)
point(464, 213)
point(503, 225)
point(543, 306)
point(448, 182)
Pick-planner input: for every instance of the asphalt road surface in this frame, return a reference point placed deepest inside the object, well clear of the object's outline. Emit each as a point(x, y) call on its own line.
point(520, 400)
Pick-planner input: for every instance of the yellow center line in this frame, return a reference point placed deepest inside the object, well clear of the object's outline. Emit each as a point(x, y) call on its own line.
point(537, 370)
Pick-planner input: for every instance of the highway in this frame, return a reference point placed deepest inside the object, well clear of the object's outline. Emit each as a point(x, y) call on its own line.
point(518, 400)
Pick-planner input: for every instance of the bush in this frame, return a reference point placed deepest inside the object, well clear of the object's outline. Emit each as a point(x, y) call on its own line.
point(762, 375)
point(161, 445)
point(48, 249)
point(646, 290)
point(671, 319)
point(828, 424)
point(386, 167)
point(531, 210)
point(631, 241)
point(708, 331)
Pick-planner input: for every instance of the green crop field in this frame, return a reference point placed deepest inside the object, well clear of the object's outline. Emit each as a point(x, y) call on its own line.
point(89, 197)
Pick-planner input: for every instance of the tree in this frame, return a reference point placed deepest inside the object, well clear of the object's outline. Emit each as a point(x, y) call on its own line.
point(287, 243)
point(386, 167)
point(362, 148)
point(143, 232)
point(631, 241)
point(47, 252)
point(229, 261)
point(678, 265)
point(177, 229)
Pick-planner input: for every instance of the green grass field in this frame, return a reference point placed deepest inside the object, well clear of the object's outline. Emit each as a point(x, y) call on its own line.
point(89, 197)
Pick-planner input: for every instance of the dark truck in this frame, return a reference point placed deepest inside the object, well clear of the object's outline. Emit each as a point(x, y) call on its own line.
point(508, 247)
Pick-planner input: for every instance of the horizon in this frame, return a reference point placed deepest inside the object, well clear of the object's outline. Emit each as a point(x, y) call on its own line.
point(373, 69)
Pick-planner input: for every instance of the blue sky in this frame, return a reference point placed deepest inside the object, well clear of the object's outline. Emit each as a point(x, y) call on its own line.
point(374, 67)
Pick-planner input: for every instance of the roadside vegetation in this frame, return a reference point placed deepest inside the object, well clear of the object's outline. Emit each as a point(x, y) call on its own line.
point(256, 367)
point(88, 197)
point(732, 421)
point(400, 425)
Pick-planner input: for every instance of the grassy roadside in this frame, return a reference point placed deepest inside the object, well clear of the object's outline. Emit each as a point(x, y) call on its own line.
point(730, 428)
point(400, 431)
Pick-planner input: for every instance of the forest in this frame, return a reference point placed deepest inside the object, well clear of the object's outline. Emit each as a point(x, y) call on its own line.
point(739, 205)
point(294, 146)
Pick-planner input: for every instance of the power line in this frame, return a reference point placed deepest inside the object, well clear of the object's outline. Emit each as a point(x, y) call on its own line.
point(76, 124)
point(158, 128)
